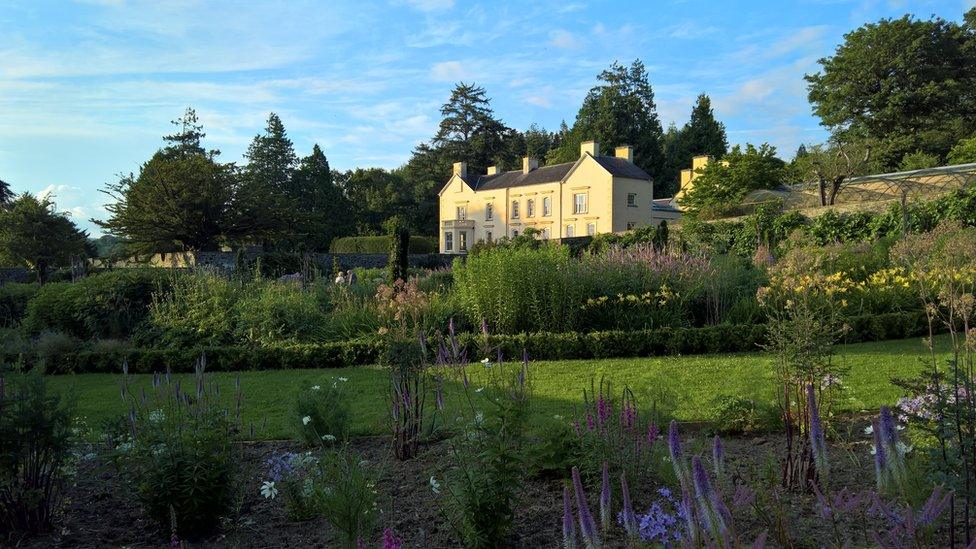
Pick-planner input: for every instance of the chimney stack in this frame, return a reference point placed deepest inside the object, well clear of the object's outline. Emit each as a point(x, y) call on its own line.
point(529, 164)
point(493, 170)
point(461, 169)
point(626, 152)
point(592, 147)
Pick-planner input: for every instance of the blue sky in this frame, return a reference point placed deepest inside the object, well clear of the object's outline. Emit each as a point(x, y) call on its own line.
point(87, 88)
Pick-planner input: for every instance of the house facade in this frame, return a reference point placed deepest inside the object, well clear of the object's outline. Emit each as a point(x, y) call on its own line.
point(595, 194)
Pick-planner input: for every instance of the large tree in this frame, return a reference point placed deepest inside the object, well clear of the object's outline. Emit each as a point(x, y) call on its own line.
point(907, 84)
point(34, 235)
point(6, 195)
point(180, 201)
point(721, 185)
point(830, 165)
point(266, 204)
point(322, 211)
point(375, 196)
point(702, 135)
point(619, 110)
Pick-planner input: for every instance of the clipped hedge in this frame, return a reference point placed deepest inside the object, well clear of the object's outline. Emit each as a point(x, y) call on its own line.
point(13, 301)
point(727, 338)
point(381, 245)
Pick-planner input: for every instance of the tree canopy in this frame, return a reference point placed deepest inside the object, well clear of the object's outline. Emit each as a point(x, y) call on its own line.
point(721, 185)
point(907, 84)
point(6, 195)
point(702, 135)
point(34, 235)
point(619, 110)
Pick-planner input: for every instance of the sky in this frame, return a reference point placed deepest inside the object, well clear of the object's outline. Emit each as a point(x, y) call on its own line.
point(89, 87)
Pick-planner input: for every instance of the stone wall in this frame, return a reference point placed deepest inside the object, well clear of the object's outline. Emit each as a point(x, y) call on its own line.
point(228, 260)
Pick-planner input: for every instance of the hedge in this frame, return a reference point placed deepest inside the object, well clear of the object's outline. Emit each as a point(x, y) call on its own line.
point(13, 301)
point(381, 245)
point(727, 338)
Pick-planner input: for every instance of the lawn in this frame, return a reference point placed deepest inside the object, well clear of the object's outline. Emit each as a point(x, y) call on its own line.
point(684, 386)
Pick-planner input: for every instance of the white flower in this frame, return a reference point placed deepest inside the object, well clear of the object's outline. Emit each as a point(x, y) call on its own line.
point(557, 417)
point(478, 390)
point(305, 420)
point(316, 387)
point(485, 361)
point(874, 449)
point(434, 485)
point(343, 379)
point(479, 418)
point(157, 416)
point(269, 490)
point(328, 438)
point(869, 430)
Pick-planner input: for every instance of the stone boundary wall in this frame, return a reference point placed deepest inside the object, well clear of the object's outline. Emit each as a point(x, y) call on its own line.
point(228, 260)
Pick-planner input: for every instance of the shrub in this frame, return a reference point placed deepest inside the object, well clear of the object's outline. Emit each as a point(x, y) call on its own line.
point(113, 304)
point(13, 302)
point(182, 459)
point(732, 414)
point(322, 414)
point(345, 492)
point(36, 441)
point(381, 245)
point(291, 477)
point(51, 348)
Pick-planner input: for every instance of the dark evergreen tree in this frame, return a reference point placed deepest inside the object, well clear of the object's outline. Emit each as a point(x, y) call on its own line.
point(265, 207)
point(6, 195)
point(399, 248)
point(703, 135)
point(619, 110)
point(322, 213)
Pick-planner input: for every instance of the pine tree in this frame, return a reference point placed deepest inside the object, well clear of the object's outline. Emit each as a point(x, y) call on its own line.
point(186, 141)
point(469, 131)
point(266, 210)
point(6, 195)
point(703, 135)
point(323, 212)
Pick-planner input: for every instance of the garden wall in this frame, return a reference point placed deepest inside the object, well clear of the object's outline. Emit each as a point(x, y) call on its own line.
point(228, 260)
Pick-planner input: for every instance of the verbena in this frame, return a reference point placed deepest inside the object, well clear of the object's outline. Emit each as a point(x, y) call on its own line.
point(37, 439)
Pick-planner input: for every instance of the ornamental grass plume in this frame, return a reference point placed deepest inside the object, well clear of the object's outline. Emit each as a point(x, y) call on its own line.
point(818, 443)
point(606, 510)
point(587, 525)
point(569, 527)
point(709, 505)
point(627, 516)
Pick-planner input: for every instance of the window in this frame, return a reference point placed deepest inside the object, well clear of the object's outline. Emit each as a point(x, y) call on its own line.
point(631, 200)
point(515, 209)
point(569, 231)
point(514, 233)
point(546, 206)
point(579, 203)
point(462, 212)
point(590, 229)
point(530, 208)
point(631, 225)
point(489, 210)
point(448, 241)
point(463, 241)
point(488, 236)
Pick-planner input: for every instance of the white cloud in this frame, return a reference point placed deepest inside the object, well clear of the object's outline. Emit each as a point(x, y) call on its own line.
point(448, 71)
point(690, 30)
point(565, 40)
point(539, 101)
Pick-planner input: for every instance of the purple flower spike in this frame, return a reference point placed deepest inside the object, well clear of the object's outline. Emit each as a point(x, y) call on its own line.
point(709, 504)
point(652, 433)
point(718, 457)
point(677, 457)
point(606, 509)
point(569, 528)
point(627, 516)
point(818, 443)
point(390, 540)
point(880, 460)
point(586, 522)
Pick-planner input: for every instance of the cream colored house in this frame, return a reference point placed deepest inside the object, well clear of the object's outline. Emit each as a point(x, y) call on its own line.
point(595, 194)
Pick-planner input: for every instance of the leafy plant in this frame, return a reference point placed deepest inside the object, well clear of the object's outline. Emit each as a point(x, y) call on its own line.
point(346, 495)
point(323, 414)
point(182, 459)
point(36, 441)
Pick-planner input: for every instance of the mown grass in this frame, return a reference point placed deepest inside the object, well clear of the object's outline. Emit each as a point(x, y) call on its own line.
point(685, 387)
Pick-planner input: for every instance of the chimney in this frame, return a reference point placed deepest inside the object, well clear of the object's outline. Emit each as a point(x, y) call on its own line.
point(493, 170)
point(592, 147)
point(461, 168)
point(624, 151)
point(529, 164)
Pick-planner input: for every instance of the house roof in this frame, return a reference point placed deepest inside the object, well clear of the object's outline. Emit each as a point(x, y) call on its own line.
point(618, 167)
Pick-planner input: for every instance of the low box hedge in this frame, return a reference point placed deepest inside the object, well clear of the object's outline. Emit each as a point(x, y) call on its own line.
point(381, 245)
point(725, 338)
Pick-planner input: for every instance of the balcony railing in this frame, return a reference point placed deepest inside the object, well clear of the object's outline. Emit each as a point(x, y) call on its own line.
point(457, 224)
